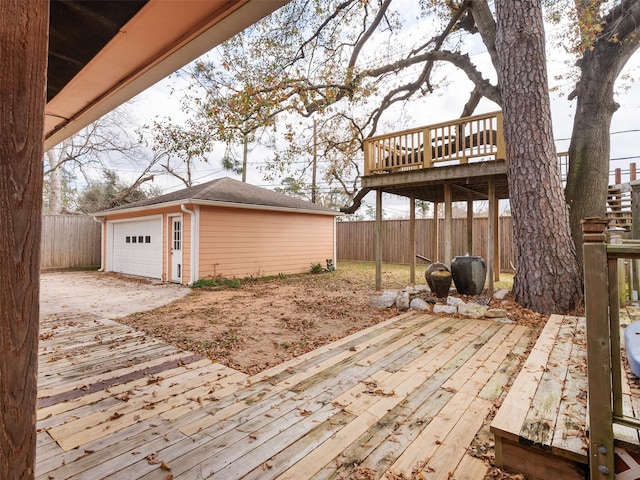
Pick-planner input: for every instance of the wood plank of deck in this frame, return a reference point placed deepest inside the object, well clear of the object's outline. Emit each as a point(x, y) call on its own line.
point(570, 432)
point(539, 426)
point(378, 448)
point(513, 412)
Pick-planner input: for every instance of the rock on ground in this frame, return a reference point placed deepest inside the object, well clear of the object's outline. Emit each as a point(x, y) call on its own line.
point(418, 304)
point(386, 300)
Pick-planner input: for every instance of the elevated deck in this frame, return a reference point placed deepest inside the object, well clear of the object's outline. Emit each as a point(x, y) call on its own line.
point(464, 154)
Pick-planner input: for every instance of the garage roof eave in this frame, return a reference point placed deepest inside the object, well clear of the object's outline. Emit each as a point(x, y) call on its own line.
point(212, 203)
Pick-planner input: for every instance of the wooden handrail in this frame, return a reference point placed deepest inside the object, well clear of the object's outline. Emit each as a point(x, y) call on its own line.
point(454, 142)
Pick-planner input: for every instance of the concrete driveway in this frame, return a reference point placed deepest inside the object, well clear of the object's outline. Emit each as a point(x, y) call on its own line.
point(101, 294)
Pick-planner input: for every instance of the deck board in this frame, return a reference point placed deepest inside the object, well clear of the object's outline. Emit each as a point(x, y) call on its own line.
point(410, 393)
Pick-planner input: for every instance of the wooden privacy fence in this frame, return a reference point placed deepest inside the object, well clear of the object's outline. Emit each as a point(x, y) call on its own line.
point(356, 240)
point(69, 241)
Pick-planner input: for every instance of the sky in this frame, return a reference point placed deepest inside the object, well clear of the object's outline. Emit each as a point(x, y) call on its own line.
point(163, 100)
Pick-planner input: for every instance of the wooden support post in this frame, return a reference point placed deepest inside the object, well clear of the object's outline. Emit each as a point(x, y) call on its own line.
point(617, 173)
point(469, 225)
point(378, 246)
point(23, 65)
point(632, 172)
point(635, 233)
point(601, 456)
point(493, 267)
point(436, 234)
point(448, 225)
point(412, 237)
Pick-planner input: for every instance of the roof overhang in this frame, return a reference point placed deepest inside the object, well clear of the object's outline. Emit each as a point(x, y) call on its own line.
point(212, 203)
point(163, 36)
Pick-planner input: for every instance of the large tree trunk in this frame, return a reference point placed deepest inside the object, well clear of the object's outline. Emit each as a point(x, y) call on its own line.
point(23, 61)
point(547, 277)
point(588, 178)
point(55, 183)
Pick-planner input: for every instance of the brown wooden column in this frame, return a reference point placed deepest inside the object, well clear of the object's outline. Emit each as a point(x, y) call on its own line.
point(435, 256)
point(412, 237)
point(448, 225)
point(493, 241)
point(596, 297)
point(635, 232)
point(23, 54)
point(378, 244)
point(469, 225)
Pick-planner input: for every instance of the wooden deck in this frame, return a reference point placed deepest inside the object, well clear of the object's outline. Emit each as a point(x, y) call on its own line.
point(541, 428)
point(413, 394)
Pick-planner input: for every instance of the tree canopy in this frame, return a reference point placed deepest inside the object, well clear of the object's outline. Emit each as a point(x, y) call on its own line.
point(357, 68)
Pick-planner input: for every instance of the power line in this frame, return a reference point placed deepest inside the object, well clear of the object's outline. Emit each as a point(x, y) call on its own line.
point(623, 158)
point(635, 130)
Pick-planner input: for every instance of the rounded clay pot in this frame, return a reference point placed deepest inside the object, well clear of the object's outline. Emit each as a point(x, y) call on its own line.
point(469, 274)
point(428, 275)
point(441, 281)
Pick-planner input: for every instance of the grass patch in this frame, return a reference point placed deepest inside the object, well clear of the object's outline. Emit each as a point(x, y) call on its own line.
point(394, 276)
point(397, 275)
point(217, 283)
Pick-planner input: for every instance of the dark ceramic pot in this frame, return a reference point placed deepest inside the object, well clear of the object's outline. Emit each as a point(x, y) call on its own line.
point(441, 281)
point(428, 275)
point(469, 274)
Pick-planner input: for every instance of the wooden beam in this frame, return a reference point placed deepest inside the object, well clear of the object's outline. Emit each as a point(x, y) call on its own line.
point(378, 246)
point(601, 457)
point(635, 233)
point(23, 54)
point(470, 225)
point(448, 225)
point(412, 240)
point(493, 240)
point(443, 173)
point(434, 239)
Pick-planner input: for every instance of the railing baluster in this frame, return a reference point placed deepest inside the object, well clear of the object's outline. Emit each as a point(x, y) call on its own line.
point(614, 326)
point(427, 149)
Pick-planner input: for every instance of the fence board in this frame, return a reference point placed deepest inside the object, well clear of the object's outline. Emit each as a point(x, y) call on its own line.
point(355, 240)
point(69, 241)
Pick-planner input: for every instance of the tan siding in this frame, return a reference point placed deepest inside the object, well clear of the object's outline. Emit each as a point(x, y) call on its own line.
point(238, 242)
point(242, 242)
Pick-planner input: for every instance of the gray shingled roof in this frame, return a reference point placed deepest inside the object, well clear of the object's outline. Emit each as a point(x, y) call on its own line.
point(226, 190)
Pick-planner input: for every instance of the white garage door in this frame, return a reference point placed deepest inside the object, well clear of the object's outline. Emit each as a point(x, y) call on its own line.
point(136, 247)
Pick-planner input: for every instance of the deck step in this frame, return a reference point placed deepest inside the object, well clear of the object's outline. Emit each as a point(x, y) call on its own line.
point(540, 428)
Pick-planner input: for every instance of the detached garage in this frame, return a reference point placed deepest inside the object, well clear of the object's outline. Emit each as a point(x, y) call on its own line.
point(222, 228)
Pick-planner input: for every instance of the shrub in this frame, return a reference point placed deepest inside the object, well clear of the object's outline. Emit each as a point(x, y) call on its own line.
point(316, 268)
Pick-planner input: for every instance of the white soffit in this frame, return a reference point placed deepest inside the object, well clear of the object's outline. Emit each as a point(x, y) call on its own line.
point(163, 37)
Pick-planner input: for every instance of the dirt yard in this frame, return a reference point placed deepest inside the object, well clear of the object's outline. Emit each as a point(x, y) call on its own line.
point(267, 321)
